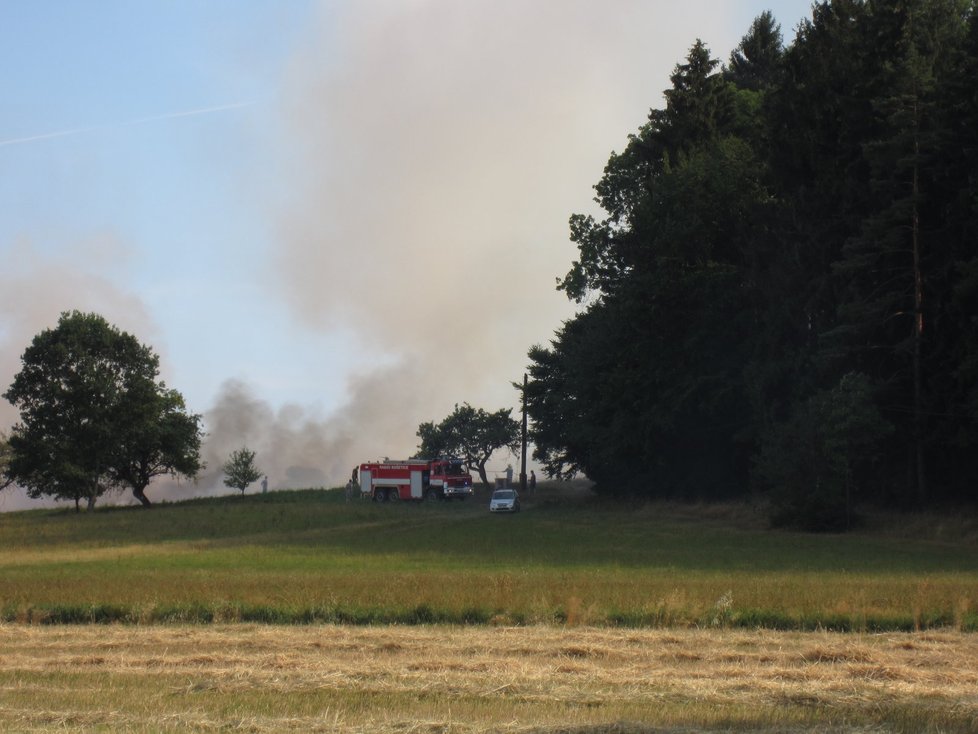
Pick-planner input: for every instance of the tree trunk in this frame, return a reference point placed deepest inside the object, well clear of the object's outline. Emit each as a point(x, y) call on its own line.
point(918, 330)
point(523, 439)
point(481, 468)
point(93, 487)
point(139, 494)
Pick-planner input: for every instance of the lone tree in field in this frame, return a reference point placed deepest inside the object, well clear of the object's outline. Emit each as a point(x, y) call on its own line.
point(472, 434)
point(94, 415)
point(240, 469)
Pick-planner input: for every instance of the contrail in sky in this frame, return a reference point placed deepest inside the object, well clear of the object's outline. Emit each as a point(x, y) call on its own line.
point(138, 121)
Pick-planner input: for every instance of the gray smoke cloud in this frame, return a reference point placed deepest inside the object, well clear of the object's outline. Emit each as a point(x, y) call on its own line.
point(296, 448)
point(437, 151)
point(431, 154)
point(441, 147)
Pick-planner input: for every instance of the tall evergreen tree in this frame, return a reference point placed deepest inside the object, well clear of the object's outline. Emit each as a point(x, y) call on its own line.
point(756, 63)
point(698, 112)
point(890, 269)
point(953, 342)
point(651, 371)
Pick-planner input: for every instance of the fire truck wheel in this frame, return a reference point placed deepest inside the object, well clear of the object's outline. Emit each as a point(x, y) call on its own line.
point(431, 495)
point(392, 495)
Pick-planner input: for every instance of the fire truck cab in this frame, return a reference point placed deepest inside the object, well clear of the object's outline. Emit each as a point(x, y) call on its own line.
point(415, 479)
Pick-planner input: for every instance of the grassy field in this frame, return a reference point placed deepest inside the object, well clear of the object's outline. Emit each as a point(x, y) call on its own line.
point(297, 611)
point(568, 559)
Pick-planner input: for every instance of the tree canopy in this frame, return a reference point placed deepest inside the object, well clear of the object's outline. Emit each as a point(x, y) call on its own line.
point(788, 246)
point(95, 416)
point(472, 434)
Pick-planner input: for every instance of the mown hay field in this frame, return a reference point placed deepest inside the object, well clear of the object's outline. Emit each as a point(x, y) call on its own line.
point(325, 678)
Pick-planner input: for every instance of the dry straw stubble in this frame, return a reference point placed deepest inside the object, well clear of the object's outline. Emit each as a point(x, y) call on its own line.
point(396, 679)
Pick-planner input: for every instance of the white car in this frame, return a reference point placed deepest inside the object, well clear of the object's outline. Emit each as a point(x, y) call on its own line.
point(504, 500)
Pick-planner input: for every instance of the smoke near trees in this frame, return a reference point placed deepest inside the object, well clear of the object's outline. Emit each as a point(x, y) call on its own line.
point(781, 261)
point(344, 169)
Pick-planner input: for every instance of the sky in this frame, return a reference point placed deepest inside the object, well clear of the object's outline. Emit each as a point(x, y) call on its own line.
point(332, 220)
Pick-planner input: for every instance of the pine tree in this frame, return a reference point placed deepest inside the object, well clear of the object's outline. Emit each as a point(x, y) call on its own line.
point(887, 268)
point(756, 63)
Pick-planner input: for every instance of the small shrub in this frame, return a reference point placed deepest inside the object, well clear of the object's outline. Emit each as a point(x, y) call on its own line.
point(721, 610)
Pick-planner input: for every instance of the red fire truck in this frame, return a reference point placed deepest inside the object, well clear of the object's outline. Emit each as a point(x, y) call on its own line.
point(415, 479)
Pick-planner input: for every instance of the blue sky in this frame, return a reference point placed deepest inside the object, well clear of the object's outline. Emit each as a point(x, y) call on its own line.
point(332, 220)
point(168, 189)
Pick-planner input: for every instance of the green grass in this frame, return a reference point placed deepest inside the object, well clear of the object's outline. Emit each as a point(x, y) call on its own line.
point(308, 557)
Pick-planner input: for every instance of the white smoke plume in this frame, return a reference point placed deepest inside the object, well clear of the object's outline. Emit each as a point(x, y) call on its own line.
point(441, 147)
point(431, 153)
point(437, 151)
point(298, 449)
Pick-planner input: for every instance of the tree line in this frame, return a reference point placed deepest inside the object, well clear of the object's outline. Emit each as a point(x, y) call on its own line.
point(780, 293)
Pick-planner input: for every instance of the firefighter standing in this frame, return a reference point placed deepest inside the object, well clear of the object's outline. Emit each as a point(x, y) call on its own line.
point(351, 486)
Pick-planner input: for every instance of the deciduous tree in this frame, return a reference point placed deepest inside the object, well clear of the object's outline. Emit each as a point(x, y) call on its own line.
point(161, 438)
point(240, 470)
point(92, 408)
point(472, 434)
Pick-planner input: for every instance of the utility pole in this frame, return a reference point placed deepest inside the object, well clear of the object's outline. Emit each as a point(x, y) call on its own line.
point(523, 451)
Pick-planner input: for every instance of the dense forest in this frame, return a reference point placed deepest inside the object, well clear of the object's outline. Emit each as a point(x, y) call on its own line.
point(780, 298)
